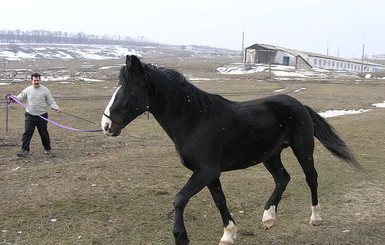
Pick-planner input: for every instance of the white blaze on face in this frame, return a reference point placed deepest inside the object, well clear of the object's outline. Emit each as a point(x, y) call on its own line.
point(106, 122)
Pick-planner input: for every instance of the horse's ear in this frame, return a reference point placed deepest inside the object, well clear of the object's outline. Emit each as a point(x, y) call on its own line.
point(133, 63)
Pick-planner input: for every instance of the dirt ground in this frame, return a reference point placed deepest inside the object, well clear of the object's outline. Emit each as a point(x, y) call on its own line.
point(104, 190)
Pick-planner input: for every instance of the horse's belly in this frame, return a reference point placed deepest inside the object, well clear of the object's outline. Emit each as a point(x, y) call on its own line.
point(240, 158)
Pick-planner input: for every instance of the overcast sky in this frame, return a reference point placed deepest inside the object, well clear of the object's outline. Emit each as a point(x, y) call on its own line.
point(340, 26)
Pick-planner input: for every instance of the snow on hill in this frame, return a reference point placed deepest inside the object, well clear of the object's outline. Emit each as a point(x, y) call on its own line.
point(15, 51)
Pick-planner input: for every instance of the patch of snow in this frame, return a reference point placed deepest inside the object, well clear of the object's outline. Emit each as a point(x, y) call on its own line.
point(288, 74)
point(65, 52)
point(52, 79)
point(108, 67)
point(280, 90)
point(199, 79)
point(62, 55)
point(336, 113)
point(90, 80)
point(319, 69)
point(241, 69)
point(298, 90)
point(277, 70)
point(381, 105)
point(2, 84)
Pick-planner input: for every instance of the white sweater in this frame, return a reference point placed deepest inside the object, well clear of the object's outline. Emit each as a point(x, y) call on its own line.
point(38, 100)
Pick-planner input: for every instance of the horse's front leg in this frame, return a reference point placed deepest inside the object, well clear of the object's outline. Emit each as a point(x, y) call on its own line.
point(230, 230)
point(196, 183)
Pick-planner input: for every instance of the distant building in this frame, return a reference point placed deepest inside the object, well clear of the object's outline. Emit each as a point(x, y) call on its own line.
point(270, 54)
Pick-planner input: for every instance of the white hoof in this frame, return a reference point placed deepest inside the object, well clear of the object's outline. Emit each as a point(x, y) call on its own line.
point(268, 218)
point(315, 222)
point(315, 218)
point(225, 243)
point(229, 234)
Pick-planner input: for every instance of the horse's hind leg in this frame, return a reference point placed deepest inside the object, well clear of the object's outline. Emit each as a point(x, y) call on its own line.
point(281, 179)
point(303, 149)
point(230, 230)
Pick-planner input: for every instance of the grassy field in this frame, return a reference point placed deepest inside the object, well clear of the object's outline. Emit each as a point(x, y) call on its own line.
point(103, 190)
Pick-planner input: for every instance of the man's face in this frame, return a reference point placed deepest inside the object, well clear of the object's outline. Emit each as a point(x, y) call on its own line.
point(35, 82)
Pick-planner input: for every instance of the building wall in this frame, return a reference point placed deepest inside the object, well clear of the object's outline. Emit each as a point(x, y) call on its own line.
point(341, 65)
point(266, 56)
point(250, 56)
point(284, 58)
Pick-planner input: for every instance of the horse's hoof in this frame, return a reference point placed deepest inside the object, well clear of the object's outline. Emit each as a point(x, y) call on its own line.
point(315, 222)
point(315, 218)
point(225, 243)
point(267, 224)
point(186, 242)
point(268, 219)
point(229, 234)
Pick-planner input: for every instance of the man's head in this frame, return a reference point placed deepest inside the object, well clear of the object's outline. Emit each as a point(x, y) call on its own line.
point(35, 80)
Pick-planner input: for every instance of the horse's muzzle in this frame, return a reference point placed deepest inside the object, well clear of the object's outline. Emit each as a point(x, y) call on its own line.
point(109, 127)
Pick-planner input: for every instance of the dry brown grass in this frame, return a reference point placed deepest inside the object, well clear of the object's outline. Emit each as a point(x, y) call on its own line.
point(101, 190)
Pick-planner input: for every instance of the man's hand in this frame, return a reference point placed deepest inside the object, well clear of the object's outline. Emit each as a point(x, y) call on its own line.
point(9, 99)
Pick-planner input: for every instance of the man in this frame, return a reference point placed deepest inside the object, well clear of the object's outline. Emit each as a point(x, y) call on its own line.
point(38, 98)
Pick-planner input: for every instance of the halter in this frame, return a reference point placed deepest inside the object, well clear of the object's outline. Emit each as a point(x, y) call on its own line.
point(146, 108)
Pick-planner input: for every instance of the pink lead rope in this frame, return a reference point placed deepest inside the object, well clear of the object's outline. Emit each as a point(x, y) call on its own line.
point(9, 99)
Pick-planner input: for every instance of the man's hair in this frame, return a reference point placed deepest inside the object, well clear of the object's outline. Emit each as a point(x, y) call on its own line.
point(35, 75)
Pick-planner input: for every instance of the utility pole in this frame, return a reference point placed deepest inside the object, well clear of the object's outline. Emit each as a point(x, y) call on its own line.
point(362, 58)
point(243, 48)
point(363, 54)
point(243, 34)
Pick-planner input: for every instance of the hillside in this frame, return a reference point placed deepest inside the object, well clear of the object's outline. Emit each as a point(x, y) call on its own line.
point(80, 62)
point(23, 51)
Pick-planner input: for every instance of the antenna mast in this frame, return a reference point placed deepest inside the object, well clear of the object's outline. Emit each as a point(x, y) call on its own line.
point(363, 54)
point(243, 34)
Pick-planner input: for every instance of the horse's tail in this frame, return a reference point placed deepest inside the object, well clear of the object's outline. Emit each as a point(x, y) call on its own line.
point(326, 134)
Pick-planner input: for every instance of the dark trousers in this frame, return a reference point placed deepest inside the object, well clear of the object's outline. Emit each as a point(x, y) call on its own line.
point(29, 128)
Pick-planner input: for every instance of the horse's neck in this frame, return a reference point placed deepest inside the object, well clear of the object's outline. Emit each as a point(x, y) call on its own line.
point(180, 122)
point(169, 114)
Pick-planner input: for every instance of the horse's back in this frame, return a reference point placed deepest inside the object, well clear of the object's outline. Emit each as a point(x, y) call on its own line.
point(280, 107)
point(263, 127)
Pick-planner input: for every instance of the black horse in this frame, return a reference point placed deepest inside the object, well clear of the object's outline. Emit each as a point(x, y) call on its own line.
point(212, 135)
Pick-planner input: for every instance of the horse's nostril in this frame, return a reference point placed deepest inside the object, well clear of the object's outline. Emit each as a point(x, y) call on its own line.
point(106, 128)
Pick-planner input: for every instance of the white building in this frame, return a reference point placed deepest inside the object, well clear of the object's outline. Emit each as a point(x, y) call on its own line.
point(270, 54)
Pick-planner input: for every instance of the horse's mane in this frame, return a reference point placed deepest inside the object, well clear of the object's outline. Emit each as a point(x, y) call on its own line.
point(180, 95)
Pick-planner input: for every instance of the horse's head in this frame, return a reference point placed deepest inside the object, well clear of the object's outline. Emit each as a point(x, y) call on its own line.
point(129, 100)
